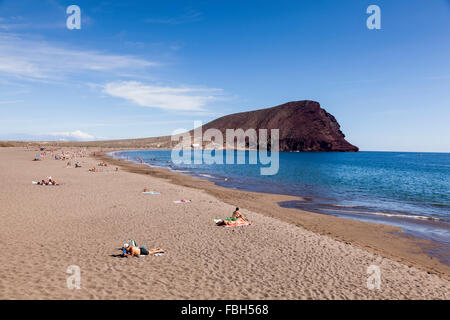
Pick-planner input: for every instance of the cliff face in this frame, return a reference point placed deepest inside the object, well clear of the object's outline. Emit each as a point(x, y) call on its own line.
point(303, 125)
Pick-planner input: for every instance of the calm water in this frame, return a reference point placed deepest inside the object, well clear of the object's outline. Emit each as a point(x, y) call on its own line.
point(409, 190)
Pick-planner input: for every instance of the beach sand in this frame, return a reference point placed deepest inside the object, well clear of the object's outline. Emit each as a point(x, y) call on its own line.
point(84, 222)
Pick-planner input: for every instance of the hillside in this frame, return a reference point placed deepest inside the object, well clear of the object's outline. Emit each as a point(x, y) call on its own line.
point(303, 125)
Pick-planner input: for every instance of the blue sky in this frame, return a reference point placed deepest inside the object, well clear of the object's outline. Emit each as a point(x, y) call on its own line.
point(146, 68)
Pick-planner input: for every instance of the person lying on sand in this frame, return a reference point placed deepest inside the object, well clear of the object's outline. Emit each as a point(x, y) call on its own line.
point(50, 182)
point(136, 252)
point(237, 215)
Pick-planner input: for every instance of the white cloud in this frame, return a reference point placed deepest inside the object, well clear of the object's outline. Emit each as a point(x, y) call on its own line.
point(39, 60)
point(23, 57)
point(76, 135)
point(168, 98)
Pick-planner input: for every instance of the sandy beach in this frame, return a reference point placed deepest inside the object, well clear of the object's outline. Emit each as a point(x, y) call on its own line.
point(85, 221)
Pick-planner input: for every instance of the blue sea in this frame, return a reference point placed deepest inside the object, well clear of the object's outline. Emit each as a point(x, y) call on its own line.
point(409, 190)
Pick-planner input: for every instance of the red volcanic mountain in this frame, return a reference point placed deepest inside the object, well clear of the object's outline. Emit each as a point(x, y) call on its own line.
point(303, 125)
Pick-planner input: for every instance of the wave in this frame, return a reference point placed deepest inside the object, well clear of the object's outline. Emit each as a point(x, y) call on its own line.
point(392, 215)
point(207, 176)
point(178, 170)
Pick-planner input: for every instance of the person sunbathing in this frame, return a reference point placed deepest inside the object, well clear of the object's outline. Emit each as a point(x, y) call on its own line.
point(52, 182)
point(136, 252)
point(237, 215)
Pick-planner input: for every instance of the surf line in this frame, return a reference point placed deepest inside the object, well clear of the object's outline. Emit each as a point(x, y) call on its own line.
point(193, 310)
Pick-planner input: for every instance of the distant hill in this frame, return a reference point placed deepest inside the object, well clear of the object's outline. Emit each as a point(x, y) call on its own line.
point(303, 125)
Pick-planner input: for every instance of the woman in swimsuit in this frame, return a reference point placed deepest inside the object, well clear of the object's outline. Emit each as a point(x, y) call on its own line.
point(236, 215)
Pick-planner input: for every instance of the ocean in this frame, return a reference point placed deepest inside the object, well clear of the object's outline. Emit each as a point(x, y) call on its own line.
point(408, 190)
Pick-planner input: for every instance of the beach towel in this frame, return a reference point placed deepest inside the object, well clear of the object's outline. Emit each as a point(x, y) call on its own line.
point(151, 192)
point(153, 255)
point(231, 222)
point(182, 201)
point(144, 253)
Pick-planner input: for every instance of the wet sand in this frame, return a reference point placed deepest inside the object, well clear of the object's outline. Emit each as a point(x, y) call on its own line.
point(84, 221)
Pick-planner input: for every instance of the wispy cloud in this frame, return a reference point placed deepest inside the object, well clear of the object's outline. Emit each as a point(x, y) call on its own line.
point(168, 98)
point(76, 135)
point(187, 17)
point(38, 60)
point(10, 101)
point(14, 22)
point(33, 60)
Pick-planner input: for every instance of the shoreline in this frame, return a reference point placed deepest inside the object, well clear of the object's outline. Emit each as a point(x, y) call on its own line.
point(423, 226)
point(389, 241)
point(86, 219)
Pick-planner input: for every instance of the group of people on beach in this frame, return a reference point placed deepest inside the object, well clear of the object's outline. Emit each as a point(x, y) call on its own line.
point(130, 249)
point(49, 182)
point(61, 157)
